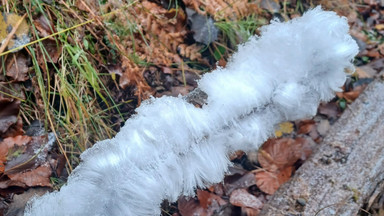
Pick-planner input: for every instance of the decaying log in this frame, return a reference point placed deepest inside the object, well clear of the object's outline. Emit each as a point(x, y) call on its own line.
point(347, 167)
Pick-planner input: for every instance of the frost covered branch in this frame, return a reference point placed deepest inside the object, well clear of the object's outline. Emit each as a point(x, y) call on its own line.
point(170, 147)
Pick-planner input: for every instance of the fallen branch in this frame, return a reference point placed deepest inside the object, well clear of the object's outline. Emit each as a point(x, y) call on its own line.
point(346, 168)
point(171, 147)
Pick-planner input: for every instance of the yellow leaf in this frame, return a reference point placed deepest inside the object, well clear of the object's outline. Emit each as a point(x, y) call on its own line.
point(7, 22)
point(284, 128)
point(3, 28)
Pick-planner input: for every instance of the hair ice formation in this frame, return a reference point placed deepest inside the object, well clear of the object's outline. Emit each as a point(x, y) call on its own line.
point(171, 147)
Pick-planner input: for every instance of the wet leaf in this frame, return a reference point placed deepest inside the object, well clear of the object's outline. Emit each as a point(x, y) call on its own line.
point(242, 198)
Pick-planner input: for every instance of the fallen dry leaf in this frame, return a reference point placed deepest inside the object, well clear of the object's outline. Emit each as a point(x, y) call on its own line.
point(236, 181)
point(329, 109)
point(269, 182)
point(36, 177)
point(250, 211)
point(17, 67)
point(15, 129)
point(9, 112)
point(206, 199)
point(217, 189)
point(34, 155)
point(351, 95)
point(323, 127)
point(190, 207)
point(44, 26)
point(365, 72)
point(52, 52)
point(9, 143)
point(7, 22)
point(242, 198)
point(278, 153)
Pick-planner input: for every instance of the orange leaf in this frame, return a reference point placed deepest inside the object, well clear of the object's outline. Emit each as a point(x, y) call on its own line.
point(269, 182)
point(8, 143)
point(36, 177)
point(306, 126)
point(351, 96)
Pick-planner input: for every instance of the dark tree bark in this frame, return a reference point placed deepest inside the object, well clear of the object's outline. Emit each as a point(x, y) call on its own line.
point(347, 167)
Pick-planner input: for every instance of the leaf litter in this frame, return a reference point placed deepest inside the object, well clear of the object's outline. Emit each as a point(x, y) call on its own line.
point(154, 55)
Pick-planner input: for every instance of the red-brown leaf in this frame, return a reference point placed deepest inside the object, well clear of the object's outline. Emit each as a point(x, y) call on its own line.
point(277, 153)
point(269, 182)
point(36, 177)
point(190, 207)
point(17, 67)
point(206, 199)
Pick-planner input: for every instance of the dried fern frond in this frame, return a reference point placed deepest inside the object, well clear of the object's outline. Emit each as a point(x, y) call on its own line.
point(147, 34)
point(223, 9)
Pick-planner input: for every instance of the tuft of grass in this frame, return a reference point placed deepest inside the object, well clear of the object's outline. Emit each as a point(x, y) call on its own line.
point(234, 33)
point(71, 96)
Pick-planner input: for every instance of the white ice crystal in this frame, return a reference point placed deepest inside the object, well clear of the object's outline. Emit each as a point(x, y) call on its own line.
point(171, 147)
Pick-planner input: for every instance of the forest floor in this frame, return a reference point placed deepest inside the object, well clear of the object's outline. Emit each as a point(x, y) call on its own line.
point(72, 72)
